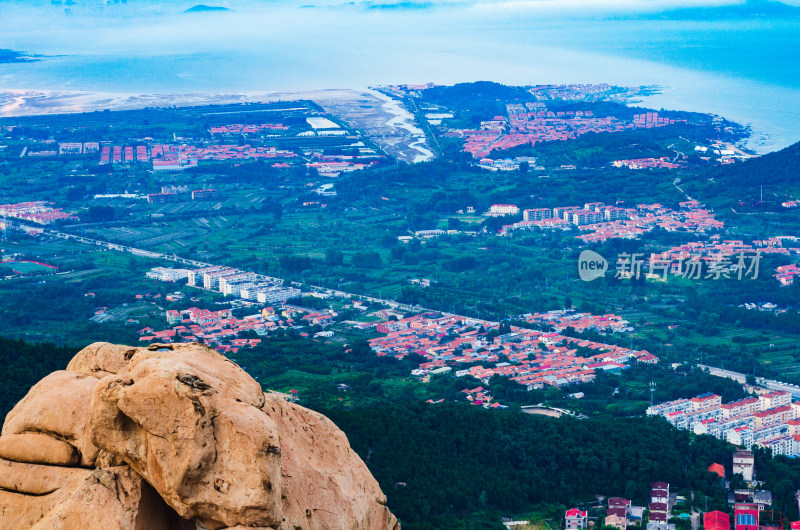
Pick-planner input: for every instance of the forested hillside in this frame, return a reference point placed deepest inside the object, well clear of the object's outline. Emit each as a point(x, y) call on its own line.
point(23, 365)
point(444, 465)
point(740, 185)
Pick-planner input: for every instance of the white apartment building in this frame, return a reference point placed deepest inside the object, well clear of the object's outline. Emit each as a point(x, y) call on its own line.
point(503, 209)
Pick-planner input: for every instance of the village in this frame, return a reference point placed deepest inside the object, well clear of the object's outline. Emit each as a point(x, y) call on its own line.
point(603, 222)
point(532, 358)
point(532, 123)
point(39, 212)
point(749, 506)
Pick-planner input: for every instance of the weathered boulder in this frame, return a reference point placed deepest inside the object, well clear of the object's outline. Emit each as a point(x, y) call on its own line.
point(313, 497)
point(50, 424)
point(174, 435)
point(100, 359)
point(188, 420)
point(58, 498)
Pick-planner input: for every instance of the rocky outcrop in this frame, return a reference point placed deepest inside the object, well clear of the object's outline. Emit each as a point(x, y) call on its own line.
point(176, 436)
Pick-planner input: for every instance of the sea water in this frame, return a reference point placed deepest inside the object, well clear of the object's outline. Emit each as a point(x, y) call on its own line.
point(744, 70)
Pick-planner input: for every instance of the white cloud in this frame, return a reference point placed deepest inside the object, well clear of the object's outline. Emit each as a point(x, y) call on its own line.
point(603, 5)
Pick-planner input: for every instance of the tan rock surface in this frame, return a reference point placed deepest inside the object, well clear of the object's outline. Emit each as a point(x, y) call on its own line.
point(58, 498)
point(199, 443)
point(188, 421)
point(315, 498)
point(57, 407)
point(100, 359)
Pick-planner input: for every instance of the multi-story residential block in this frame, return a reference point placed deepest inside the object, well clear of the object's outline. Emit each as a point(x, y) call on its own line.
point(211, 279)
point(230, 284)
point(690, 419)
point(159, 198)
point(167, 275)
point(613, 214)
point(782, 444)
point(586, 217)
point(679, 405)
point(203, 194)
point(565, 212)
point(793, 426)
point(277, 294)
point(706, 401)
point(594, 206)
point(503, 209)
point(743, 407)
point(778, 398)
point(537, 214)
point(196, 278)
point(773, 416)
point(744, 464)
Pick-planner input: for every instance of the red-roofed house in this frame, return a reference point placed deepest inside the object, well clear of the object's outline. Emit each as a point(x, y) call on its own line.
point(718, 469)
point(716, 520)
point(576, 519)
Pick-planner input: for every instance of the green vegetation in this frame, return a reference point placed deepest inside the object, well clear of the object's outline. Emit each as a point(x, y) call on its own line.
point(442, 466)
point(446, 465)
point(24, 364)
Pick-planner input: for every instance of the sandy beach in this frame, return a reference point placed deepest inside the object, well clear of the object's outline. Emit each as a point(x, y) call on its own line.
point(380, 118)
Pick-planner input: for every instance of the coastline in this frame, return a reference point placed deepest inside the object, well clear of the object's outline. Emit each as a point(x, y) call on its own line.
point(381, 117)
point(383, 120)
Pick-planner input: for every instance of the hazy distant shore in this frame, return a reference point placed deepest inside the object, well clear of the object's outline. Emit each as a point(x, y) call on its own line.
point(11, 56)
point(15, 103)
point(381, 119)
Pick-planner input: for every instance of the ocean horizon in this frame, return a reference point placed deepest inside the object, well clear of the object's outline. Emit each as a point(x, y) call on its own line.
point(741, 69)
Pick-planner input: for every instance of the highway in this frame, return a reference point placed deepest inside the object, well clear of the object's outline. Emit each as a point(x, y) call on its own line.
point(199, 265)
point(742, 378)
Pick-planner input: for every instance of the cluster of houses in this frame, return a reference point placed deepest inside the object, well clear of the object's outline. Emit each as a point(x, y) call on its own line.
point(121, 154)
point(752, 508)
point(770, 420)
point(505, 164)
point(216, 328)
point(532, 122)
point(39, 212)
point(786, 274)
point(240, 128)
point(167, 157)
point(480, 397)
point(221, 329)
point(534, 359)
point(717, 249)
point(601, 222)
point(561, 319)
point(647, 163)
point(580, 92)
point(332, 166)
point(621, 513)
